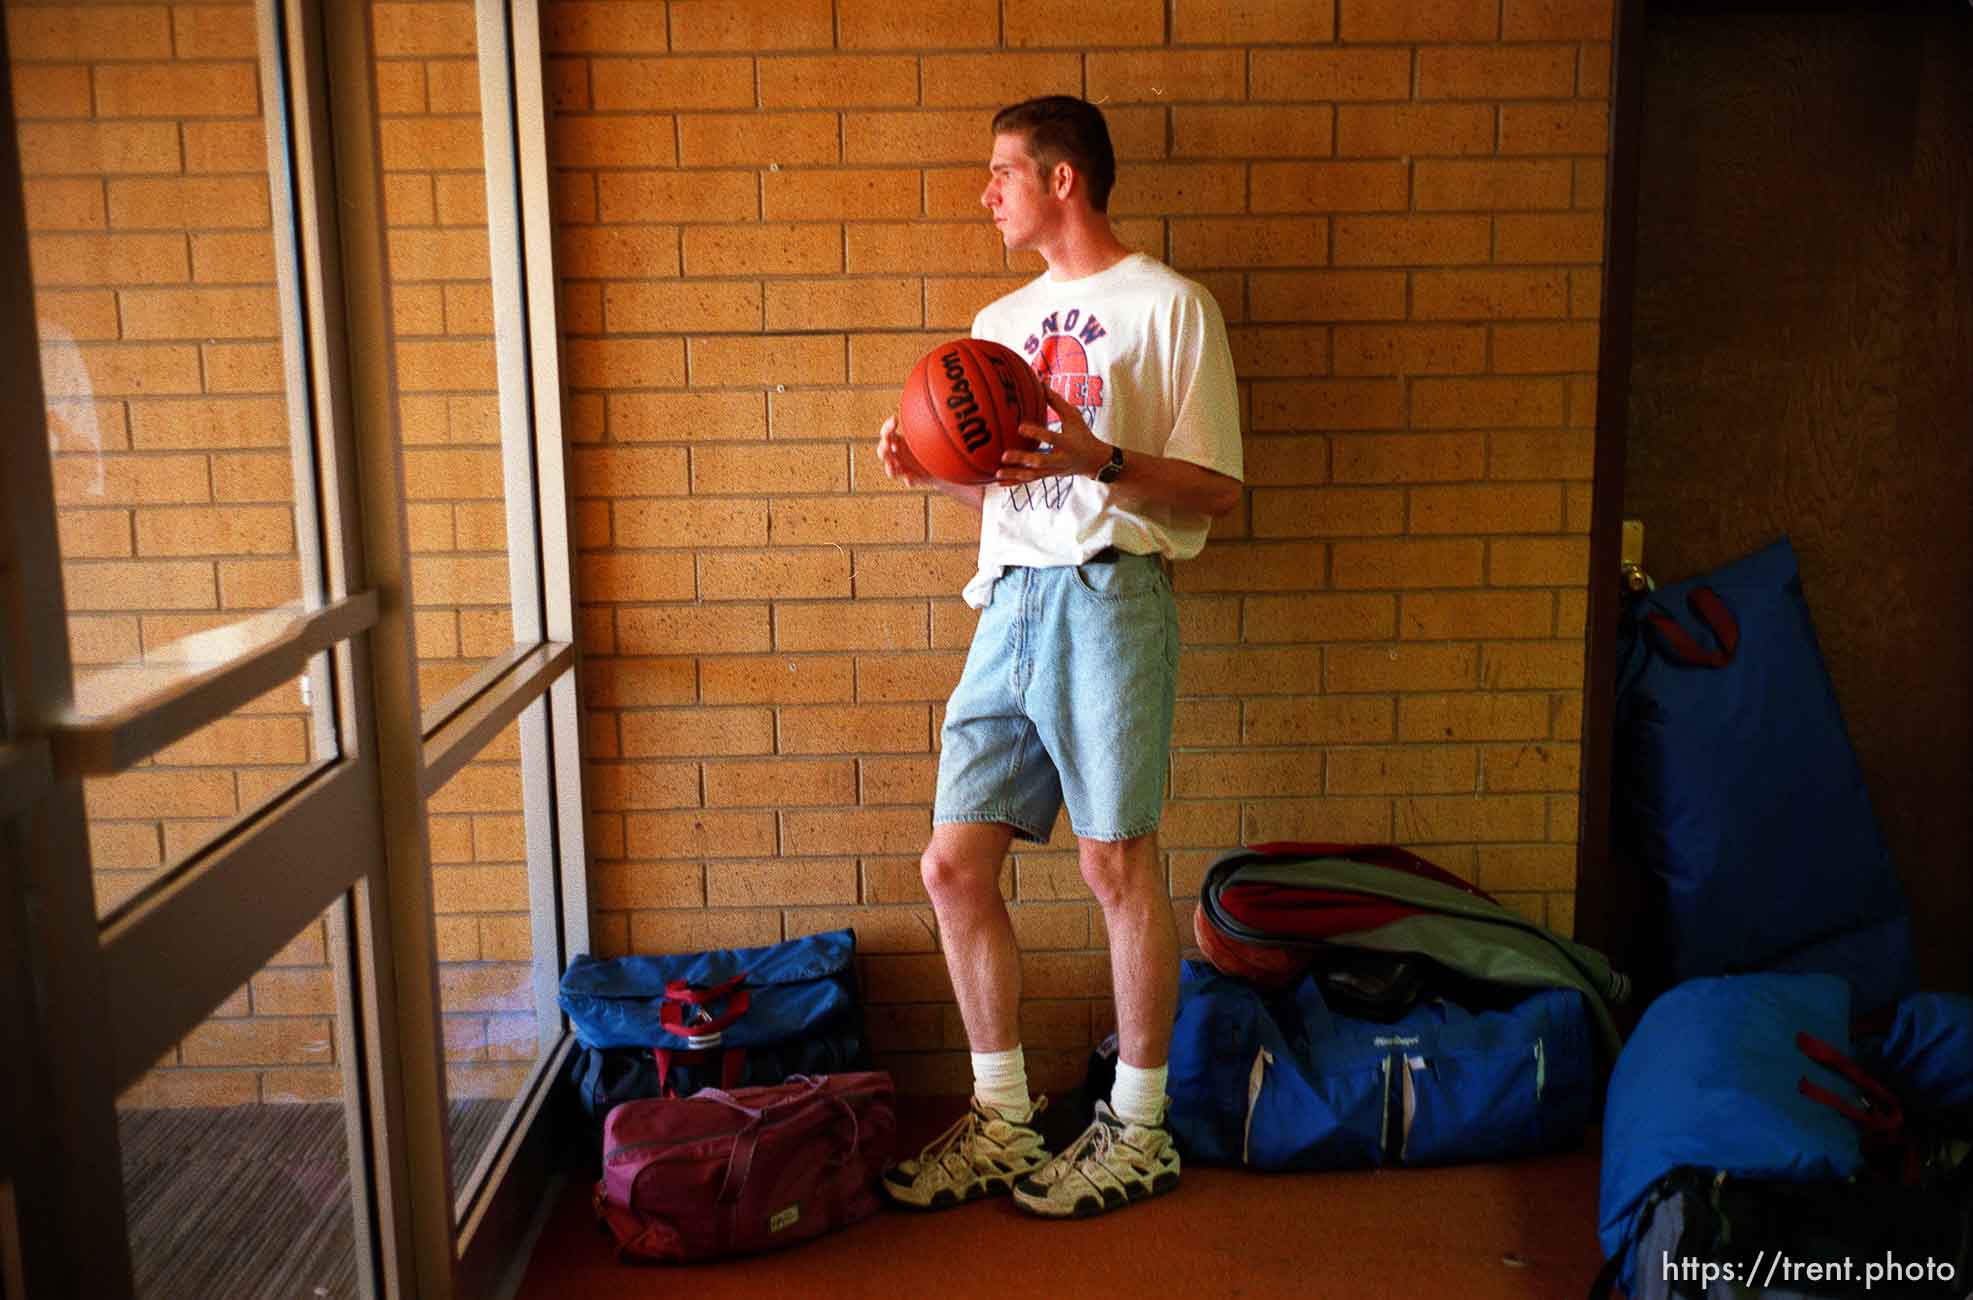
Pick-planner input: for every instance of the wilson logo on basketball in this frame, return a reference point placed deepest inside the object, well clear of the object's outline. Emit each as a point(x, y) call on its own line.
point(959, 400)
point(963, 406)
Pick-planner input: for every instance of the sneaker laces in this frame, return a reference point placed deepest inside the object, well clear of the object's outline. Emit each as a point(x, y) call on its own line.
point(952, 1139)
point(1095, 1143)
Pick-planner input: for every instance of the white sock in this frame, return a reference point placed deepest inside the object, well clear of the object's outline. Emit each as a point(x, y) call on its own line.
point(1138, 1096)
point(1000, 1079)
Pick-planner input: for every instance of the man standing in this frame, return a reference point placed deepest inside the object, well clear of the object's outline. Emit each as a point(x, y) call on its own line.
point(1068, 691)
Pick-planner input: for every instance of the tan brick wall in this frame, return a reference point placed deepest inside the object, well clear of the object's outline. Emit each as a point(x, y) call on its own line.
point(768, 208)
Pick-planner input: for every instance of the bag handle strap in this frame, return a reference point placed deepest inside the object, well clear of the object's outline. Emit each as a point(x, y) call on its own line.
point(1706, 604)
point(672, 1015)
point(1893, 1153)
point(740, 1163)
point(1880, 1116)
point(817, 1084)
point(703, 1030)
point(810, 1084)
point(732, 1067)
point(681, 991)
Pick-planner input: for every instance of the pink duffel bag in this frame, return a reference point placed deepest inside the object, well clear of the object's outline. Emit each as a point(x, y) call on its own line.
point(755, 1169)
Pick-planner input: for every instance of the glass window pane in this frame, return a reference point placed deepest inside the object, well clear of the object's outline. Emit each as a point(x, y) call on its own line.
point(485, 946)
point(160, 812)
point(236, 1169)
point(435, 208)
point(150, 238)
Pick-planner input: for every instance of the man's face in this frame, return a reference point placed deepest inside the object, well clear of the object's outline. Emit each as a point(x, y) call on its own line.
point(1017, 193)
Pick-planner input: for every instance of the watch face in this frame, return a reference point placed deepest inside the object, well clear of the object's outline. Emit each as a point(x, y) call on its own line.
point(1109, 473)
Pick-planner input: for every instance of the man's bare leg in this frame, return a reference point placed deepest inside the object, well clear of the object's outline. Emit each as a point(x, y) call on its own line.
point(961, 870)
point(1128, 1153)
point(1128, 879)
point(995, 1143)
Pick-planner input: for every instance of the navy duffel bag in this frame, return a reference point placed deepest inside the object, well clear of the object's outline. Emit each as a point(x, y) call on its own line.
point(1280, 1081)
point(666, 1026)
point(1737, 787)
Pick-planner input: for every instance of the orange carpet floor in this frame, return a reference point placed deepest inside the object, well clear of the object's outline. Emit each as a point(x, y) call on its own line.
point(1521, 1229)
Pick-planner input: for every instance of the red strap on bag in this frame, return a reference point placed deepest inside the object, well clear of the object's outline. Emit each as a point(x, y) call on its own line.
point(703, 1030)
point(1880, 1117)
point(672, 1016)
point(680, 991)
point(679, 995)
point(732, 1066)
point(1711, 611)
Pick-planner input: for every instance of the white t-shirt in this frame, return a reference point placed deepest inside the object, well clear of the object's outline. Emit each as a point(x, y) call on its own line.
point(1142, 352)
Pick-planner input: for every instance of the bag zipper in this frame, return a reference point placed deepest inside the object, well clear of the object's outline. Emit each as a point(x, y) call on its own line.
point(765, 1122)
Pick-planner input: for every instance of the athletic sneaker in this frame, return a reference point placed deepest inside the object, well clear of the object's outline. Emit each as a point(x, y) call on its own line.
point(981, 1155)
point(1108, 1167)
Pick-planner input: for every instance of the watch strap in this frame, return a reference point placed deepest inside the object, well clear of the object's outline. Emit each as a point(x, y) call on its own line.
point(1113, 468)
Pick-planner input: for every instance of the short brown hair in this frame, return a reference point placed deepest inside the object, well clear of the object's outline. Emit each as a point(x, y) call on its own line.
point(1063, 128)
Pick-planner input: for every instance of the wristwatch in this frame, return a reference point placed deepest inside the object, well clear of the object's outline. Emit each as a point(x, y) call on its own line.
point(1114, 468)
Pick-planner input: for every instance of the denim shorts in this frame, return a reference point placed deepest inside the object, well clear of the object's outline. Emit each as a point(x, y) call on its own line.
point(1066, 697)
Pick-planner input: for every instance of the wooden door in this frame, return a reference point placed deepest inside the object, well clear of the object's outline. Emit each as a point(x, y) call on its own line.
point(1803, 363)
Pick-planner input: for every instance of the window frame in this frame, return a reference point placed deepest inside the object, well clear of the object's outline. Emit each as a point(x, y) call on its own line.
point(83, 1003)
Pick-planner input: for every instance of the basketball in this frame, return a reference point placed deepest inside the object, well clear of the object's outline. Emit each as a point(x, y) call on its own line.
point(964, 404)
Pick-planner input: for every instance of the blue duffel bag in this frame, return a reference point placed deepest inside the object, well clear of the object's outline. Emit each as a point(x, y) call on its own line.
point(1719, 1078)
point(1737, 787)
point(1282, 1082)
point(670, 1025)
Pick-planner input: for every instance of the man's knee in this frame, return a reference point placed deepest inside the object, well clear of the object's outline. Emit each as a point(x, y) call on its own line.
point(961, 869)
point(1117, 870)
